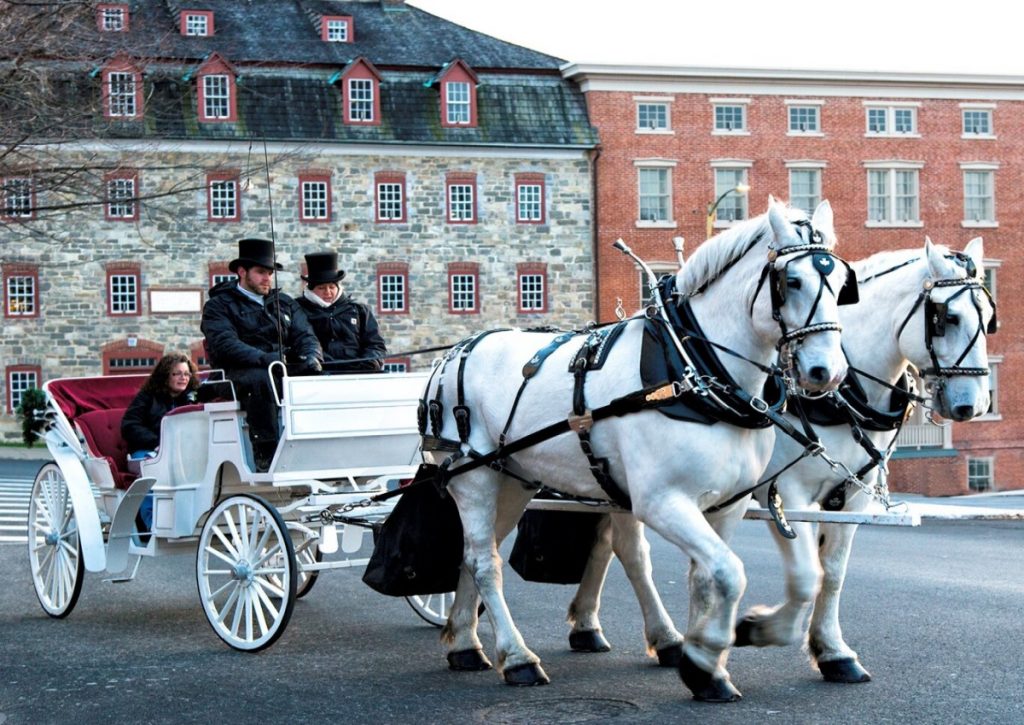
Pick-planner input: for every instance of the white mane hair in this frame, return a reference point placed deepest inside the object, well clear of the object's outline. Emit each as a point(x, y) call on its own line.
point(712, 257)
point(880, 262)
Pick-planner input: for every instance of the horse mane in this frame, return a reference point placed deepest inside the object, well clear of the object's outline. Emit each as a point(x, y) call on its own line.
point(715, 255)
point(882, 261)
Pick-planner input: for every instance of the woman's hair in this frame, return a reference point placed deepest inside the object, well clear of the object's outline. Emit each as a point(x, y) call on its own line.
point(161, 376)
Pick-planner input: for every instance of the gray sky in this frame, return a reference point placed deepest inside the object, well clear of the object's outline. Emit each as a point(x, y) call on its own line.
point(941, 36)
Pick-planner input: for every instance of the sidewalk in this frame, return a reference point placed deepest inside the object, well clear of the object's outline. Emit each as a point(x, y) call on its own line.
point(38, 452)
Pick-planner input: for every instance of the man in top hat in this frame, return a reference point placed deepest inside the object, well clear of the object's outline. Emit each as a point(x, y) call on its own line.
point(347, 330)
point(249, 324)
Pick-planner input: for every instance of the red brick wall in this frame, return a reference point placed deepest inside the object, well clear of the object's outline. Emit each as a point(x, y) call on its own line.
point(844, 147)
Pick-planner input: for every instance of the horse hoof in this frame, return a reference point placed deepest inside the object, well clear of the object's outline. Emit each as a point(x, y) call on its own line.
point(526, 675)
point(847, 671)
point(468, 660)
point(671, 656)
point(705, 686)
point(744, 630)
point(590, 640)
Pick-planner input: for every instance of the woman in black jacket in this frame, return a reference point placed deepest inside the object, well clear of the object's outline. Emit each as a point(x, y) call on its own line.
point(173, 383)
point(347, 330)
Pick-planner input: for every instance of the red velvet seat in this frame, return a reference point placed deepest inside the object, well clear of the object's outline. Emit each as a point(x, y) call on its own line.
point(102, 432)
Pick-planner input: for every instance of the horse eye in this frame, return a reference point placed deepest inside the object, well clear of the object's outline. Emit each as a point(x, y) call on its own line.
point(793, 282)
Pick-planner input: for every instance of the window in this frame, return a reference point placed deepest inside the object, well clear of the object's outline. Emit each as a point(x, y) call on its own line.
point(315, 201)
point(529, 198)
point(198, 23)
point(979, 197)
point(336, 28)
point(360, 93)
point(892, 120)
point(805, 189)
point(121, 98)
point(216, 96)
point(122, 196)
point(532, 284)
point(463, 283)
point(20, 378)
point(222, 197)
point(21, 295)
point(730, 116)
point(390, 192)
point(112, 18)
point(131, 356)
point(733, 207)
point(218, 272)
point(979, 474)
point(655, 194)
point(804, 119)
point(393, 287)
point(457, 106)
point(990, 279)
point(396, 365)
point(461, 195)
point(977, 121)
point(652, 117)
point(18, 198)
point(123, 294)
point(993, 388)
point(893, 197)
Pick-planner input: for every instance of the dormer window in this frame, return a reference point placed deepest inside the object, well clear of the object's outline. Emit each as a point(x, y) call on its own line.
point(457, 83)
point(216, 90)
point(360, 89)
point(197, 23)
point(336, 29)
point(122, 90)
point(112, 18)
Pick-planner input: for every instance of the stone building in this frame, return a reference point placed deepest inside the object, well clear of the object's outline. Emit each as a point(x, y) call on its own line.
point(450, 170)
point(899, 156)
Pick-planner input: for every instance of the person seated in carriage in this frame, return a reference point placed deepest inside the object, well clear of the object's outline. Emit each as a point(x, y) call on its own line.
point(347, 329)
point(248, 324)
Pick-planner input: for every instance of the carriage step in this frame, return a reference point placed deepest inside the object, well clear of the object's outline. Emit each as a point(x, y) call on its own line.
point(125, 578)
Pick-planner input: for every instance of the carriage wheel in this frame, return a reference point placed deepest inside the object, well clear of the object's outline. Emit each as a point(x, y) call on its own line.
point(432, 608)
point(246, 572)
point(54, 550)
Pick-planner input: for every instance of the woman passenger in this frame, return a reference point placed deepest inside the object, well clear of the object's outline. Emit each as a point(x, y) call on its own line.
point(173, 383)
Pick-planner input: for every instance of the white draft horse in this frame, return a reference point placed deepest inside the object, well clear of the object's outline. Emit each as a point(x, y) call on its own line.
point(925, 308)
point(672, 471)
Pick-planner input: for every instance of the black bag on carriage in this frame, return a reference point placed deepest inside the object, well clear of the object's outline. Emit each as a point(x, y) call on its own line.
point(418, 549)
point(553, 547)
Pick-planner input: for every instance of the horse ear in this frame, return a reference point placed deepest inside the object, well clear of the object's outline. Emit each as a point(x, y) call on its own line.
point(975, 249)
point(777, 220)
point(936, 261)
point(771, 200)
point(823, 221)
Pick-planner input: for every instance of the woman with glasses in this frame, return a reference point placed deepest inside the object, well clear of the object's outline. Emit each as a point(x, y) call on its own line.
point(173, 383)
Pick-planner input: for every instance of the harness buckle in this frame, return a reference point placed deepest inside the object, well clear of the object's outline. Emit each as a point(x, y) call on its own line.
point(814, 448)
point(581, 423)
point(461, 415)
point(759, 404)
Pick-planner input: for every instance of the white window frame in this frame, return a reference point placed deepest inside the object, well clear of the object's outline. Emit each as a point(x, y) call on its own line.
point(121, 94)
point(197, 25)
point(20, 295)
point(665, 107)
point(121, 197)
point(18, 383)
point(988, 464)
point(216, 96)
point(113, 19)
point(532, 292)
point(123, 289)
point(337, 30)
point(740, 169)
point(985, 110)
point(726, 129)
point(458, 103)
point(462, 286)
point(890, 111)
point(224, 198)
point(664, 168)
point(391, 203)
point(981, 170)
point(315, 204)
point(807, 106)
point(17, 197)
point(360, 100)
point(461, 202)
point(393, 292)
point(529, 202)
point(894, 171)
point(806, 168)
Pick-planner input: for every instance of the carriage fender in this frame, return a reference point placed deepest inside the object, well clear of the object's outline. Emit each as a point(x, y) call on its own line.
point(90, 534)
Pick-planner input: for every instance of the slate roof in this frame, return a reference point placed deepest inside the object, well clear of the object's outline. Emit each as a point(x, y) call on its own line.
point(284, 67)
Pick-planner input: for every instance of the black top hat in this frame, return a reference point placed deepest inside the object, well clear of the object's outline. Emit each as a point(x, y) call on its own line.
point(252, 252)
point(322, 267)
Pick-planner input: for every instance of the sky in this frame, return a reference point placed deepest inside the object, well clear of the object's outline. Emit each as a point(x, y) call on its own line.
point(941, 36)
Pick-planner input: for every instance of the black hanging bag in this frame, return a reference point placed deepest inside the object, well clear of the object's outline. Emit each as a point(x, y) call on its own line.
point(553, 547)
point(418, 549)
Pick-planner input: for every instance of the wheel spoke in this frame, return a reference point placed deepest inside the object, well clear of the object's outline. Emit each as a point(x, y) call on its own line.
point(232, 600)
point(267, 555)
point(249, 604)
point(210, 550)
point(257, 596)
point(214, 593)
point(264, 537)
point(235, 536)
point(239, 605)
point(272, 585)
point(227, 544)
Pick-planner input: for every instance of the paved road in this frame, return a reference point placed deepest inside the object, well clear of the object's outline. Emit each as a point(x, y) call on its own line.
point(15, 486)
point(934, 612)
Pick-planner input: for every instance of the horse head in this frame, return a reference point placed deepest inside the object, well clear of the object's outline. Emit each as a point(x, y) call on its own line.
point(946, 339)
point(805, 284)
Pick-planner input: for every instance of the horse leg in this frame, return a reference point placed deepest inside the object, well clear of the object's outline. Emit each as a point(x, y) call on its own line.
point(836, 661)
point(784, 624)
point(585, 635)
point(489, 510)
point(717, 582)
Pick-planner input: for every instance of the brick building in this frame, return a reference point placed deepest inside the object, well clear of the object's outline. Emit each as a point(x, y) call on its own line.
point(450, 170)
point(899, 156)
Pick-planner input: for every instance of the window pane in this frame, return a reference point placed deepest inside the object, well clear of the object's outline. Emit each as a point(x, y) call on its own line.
point(460, 202)
point(360, 107)
point(978, 122)
point(19, 382)
point(654, 195)
point(337, 31)
point(121, 198)
point(457, 101)
point(113, 19)
point(803, 118)
point(392, 292)
point(652, 116)
point(805, 189)
point(389, 201)
point(906, 196)
point(224, 199)
point(21, 295)
point(314, 199)
point(978, 201)
point(121, 94)
point(123, 294)
point(531, 291)
point(195, 25)
point(17, 198)
point(877, 120)
point(216, 96)
point(729, 118)
point(530, 202)
point(903, 120)
point(463, 289)
point(878, 196)
point(979, 474)
point(734, 206)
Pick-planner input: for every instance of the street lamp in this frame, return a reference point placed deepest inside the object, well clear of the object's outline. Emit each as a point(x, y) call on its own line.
point(739, 189)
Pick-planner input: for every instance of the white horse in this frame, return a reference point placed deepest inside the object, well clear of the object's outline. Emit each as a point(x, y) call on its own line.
point(765, 281)
point(927, 309)
point(894, 324)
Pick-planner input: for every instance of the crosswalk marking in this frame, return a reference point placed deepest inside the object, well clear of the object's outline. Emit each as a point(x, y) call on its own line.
point(14, 496)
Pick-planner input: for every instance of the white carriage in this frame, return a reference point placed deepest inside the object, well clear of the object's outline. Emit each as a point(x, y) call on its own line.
point(258, 537)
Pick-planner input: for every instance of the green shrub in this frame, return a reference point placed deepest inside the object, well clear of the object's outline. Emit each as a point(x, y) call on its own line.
point(30, 413)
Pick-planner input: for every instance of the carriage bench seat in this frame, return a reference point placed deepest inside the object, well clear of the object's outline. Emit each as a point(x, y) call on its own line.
point(102, 432)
